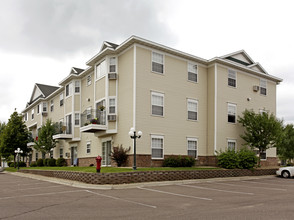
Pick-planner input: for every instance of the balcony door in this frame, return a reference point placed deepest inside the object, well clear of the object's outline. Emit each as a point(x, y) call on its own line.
point(74, 156)
point(68, 124)
point(100, 112)
point(106, 150)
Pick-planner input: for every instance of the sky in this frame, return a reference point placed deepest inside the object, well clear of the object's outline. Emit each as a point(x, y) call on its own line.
point(41, 41)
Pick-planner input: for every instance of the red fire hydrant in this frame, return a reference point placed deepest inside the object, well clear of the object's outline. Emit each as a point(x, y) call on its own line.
point(98, 162)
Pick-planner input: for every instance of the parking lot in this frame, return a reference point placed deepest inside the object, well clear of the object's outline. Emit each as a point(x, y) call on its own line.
point(267, 197)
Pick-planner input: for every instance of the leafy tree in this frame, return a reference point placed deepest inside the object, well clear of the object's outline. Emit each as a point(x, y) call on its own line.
point(286, 145)
point(14, 135)
point(262, 131)
point(45, 140)
point(120, 155)
point(2, 126)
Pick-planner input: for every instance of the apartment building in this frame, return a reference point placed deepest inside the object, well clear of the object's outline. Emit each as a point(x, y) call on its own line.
point(183, 104)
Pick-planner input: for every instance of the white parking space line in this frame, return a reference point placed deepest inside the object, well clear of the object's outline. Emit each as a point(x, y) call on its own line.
point(174, 194)
point(124, 200)
point(219, 190)
point(43, 187)
point(41, 194)
point(256, 187)
point(248, 181)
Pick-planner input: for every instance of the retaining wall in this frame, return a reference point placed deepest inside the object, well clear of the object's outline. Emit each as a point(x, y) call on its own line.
point(147, 176)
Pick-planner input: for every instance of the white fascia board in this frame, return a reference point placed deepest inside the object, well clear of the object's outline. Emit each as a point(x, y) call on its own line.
point(90, 62)
point(273, 78)
point(238, 52)
point(33, 104)
point(258, 64)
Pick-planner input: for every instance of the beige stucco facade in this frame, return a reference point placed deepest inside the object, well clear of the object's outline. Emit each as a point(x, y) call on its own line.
point(180, 111)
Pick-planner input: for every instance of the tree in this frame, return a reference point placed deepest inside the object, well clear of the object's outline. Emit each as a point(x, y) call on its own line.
point(14, 135)
point(45, 140)
point(2, 126)
point(262, 131)
point(286, 145)
point(120, 155)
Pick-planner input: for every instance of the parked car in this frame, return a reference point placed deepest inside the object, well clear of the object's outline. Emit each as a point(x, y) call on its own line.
point(285, 172)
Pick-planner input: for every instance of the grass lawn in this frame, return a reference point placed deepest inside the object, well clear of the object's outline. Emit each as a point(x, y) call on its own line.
point(110, 169)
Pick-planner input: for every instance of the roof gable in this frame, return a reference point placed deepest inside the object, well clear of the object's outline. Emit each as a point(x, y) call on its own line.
point(76, 71)
point(107, 44)
point(240, 57)
point(42, 91)
point(257, 67)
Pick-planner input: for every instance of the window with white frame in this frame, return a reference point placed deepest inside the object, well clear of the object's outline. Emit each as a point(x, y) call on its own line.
point(192, 147)
point(77, 119)
point(112, 64)
point(61, 99)
point(192, 72)
point(232, 78)
point(157, 103)
point(26, 116)
point(38, 109)
point(231, 144)
point(232, 108)
point(33, 113)
point(89, 115)
point(88, 147)
point(192, 106)
point(157, 62)
point(51, 105)
point(101, 69)
point(89, 80)
point(157, 147)
point(77, 86)
point(263, 87)
point(61, 152)
point(112, 104)
point(68, 90)
point(44, 106)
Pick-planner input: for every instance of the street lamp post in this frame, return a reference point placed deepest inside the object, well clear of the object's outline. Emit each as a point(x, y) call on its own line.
point(133, 135)
point(18, 151)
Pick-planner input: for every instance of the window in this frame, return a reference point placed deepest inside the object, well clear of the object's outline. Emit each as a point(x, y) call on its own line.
point(192, 147)
point(232, 145)
point(157, 62)
point(101, 69)
point(89, 115)
point(192, 106)
point(263, 155)
point(157, 102)
point(33, 113)
point(232, 78)
point(37, 156)
point(262, 86)
point(232, 113)
point(51, 153)
point(68, 124)
point(61, 99)
point(68, 90)
point(77, 119)
point(112, 106)
point(156, 147)
point(89, 80)
point(61, 152)
point(38, 109)
point(88, 147)
point(26, 116)
point(44, 106)
point(77, 86)
point(192, 72)
point(112, 64)
point(51, 105)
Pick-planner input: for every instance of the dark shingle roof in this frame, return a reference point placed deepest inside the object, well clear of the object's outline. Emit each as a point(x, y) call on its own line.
point(47, 90)
point(76, 71)
point(112, 44)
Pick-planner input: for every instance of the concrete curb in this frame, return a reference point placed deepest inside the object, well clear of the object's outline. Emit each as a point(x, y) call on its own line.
point(78, 184)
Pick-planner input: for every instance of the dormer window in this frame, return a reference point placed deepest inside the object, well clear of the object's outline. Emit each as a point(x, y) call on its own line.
point(112, 64)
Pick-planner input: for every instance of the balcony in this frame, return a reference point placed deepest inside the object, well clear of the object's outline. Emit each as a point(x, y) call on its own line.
point(64, 131)
point(93, 120)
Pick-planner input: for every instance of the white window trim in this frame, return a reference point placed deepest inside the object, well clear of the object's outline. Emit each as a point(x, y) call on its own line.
point(46, 104)
point(194, 101)
point(108, 66)
point(194, 64)
point(192, 139)
point(88, 143)
point(70, 90)
point(159, 137)
point(106, 71)
point(51, 104)
point(115, 105)
point(163, 62)
point(157, 94)
point(39, 109)
point(232, 140)
point(89, 82)
point(232, 78)
point(32, 114)
point(235, 105)
point(77, 87)
point(61, 95)
point(75, 119)
point(260, 82)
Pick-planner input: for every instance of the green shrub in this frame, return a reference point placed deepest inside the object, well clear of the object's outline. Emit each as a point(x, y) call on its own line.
point(46, 162)
point(61, 162)
point(10, 164)
point(179, 161)
point(40, 162)
point(120, 155)
point(242, 159)
point(33, 164)
point(51, 162)
point(21, 164)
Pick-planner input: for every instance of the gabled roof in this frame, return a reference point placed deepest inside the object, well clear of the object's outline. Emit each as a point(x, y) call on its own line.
point(42, 91)
point(109, 45)
point(240, 57)
point(257, 67)
point(75, 70)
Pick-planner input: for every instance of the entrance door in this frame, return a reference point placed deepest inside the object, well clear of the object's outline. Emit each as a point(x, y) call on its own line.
point(74, 155)
point(106, 150)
